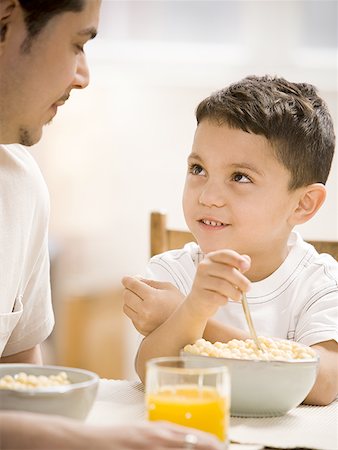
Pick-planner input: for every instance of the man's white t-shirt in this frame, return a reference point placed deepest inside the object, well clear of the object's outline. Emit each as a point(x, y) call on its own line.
point(26, 315)
point(299, 301)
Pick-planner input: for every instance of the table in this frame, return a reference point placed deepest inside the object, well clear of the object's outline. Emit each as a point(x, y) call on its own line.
point(306, 427)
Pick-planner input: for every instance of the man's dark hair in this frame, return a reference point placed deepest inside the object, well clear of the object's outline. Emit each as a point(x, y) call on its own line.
point(292, 116)
point(37, 13)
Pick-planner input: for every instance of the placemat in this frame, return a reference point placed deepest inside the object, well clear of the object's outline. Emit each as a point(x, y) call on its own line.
point(312, 427)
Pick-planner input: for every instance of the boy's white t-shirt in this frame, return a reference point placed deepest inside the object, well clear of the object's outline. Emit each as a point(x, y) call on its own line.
point(299, 301)
point(26, 315)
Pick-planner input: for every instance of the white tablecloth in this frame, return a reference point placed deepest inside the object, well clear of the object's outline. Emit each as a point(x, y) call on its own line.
point(310, 427)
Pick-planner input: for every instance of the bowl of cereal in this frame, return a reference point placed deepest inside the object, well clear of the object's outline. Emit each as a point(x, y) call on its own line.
point(263, 384)
point(57, 390)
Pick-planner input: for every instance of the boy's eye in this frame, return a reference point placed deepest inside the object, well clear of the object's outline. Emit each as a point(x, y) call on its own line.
point(196, 169)
point(241, 177)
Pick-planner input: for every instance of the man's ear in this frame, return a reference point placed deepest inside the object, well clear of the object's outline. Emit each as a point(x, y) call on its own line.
point(310, 200)
point(7, 8)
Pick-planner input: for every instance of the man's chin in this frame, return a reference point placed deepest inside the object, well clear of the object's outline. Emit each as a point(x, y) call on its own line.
point(29, 138)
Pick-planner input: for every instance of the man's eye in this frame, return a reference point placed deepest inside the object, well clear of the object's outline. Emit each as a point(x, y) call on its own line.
point(79, 48)
point(241, 178)
point(196, 169)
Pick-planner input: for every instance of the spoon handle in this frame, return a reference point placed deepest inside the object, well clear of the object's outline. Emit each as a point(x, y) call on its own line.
point(249, 322)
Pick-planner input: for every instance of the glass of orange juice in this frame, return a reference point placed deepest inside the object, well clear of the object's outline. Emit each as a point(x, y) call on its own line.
point(181, 390)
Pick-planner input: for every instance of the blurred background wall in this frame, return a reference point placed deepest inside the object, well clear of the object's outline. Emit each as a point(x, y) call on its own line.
point(118, 149)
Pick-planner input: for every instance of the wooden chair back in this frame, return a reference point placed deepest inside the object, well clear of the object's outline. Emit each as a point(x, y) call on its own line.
point(163, 238)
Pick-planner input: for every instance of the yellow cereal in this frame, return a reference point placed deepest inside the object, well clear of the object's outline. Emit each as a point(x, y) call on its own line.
point(24, 381)
point(279, 350)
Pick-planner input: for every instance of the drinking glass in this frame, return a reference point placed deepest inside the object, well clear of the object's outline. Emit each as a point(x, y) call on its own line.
point(189, 392)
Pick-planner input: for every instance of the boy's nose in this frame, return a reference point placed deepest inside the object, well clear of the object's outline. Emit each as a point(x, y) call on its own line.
point(212, 195)
point(81, 77)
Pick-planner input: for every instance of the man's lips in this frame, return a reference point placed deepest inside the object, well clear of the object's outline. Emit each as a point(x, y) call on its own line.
point(55, 105)
point(61, 101)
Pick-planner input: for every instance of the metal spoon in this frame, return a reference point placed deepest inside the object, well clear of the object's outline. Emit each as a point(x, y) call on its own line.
point(250, 323)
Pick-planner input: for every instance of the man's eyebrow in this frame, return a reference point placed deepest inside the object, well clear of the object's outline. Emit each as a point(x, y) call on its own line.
point(91, 32)
point(194, 155)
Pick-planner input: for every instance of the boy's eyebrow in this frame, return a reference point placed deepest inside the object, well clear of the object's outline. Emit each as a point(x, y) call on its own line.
point(242, 165)
point(237, 166)
point(91, 32)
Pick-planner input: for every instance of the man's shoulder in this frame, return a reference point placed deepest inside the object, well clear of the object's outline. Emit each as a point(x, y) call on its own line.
point(22, 184)
point(18, 159)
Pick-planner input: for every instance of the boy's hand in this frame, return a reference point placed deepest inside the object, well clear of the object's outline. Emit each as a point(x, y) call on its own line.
point(149, 303)
point(219, 277)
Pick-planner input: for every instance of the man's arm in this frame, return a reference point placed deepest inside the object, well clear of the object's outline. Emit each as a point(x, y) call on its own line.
point(27, 431)
point(325, 389)
point(30, 356)
point(21, 430)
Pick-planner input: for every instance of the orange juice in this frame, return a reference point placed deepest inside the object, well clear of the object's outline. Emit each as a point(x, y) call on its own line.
point(203, 408)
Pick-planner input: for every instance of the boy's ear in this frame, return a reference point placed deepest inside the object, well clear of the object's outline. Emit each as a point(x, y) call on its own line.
point(7, 8)
point(310, 200)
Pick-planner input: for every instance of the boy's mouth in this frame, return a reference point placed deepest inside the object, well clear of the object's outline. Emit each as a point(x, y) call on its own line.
point(212, 223)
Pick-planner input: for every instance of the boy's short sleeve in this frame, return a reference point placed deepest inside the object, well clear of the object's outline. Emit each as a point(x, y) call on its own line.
point(319, 321)
point(175, 266)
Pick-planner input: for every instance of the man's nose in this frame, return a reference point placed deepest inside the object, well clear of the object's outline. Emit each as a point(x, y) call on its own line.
point(81, 78)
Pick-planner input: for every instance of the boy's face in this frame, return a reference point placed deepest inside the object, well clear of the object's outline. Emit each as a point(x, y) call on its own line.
point(34, 83)
point(236, 192)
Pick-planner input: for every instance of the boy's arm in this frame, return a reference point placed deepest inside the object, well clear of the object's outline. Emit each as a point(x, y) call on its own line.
point(216, 331)
point(149, 303)
point(218, 277)
point(181, 328)
point(325, 389)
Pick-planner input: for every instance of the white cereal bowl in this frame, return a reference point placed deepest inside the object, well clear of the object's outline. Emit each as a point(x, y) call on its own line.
point(72, 400)
point(265, 388)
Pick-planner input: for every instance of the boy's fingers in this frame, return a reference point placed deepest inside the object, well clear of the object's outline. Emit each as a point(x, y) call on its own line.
point(130, 312)
point(157, 284)
point(224, 288)
point(138, 286)
point(231, 258)
point(223, 272)
point(132, 300)
point(230, 274)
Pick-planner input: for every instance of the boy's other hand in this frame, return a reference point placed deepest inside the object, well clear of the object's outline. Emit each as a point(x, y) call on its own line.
point(219, 277)
point(149, 303)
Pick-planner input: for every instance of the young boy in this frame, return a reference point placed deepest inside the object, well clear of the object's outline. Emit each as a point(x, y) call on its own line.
point(259, 162)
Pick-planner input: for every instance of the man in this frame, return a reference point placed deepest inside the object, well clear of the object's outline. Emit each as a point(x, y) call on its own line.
point(41, 60)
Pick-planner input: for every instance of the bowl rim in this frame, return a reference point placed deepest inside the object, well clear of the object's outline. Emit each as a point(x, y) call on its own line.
point(60, 389)
point(315, 359)
point(156, 363)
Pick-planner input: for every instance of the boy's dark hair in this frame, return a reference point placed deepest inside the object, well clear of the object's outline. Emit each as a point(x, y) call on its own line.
point(291, 116)
point(37, 13)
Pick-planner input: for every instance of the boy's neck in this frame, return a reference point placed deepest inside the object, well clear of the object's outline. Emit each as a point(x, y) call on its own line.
point(263, 266)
